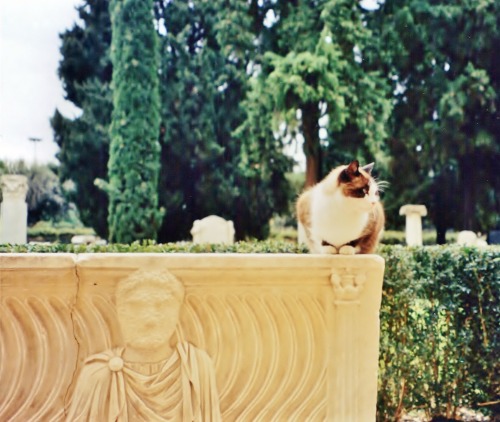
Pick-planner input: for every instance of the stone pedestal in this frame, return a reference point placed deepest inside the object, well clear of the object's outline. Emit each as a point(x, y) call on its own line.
point(13, 210)
point(414, 214)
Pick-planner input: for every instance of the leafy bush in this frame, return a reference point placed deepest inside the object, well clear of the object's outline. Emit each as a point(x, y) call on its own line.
point(439, 331)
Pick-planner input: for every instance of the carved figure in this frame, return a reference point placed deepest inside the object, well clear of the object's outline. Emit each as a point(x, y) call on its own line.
point(153, 377)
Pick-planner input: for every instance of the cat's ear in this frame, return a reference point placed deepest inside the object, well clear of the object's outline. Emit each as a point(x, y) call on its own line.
point(351, 171)
point(368, 168)
point(353, 168)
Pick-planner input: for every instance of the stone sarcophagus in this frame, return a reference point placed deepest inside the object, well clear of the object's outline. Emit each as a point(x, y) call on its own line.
point(202, 337)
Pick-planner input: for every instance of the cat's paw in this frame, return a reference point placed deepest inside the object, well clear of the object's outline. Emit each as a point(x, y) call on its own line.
point(347, 250)
point(328, 250)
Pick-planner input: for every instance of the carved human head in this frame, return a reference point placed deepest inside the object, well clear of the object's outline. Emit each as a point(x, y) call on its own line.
point(148, 305)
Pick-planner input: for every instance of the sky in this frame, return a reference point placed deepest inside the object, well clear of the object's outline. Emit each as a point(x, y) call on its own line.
point(30, 89)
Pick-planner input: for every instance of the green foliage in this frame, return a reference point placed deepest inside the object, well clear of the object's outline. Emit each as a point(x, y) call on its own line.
point(439, 330)
point(393, 237)
point(445, 131)
point(45, 231)
point(317, 68)
point(239, 81)
point(206, 167)
point(85, 70)
point(133, 167)
point(268, 246)
point(206, 48)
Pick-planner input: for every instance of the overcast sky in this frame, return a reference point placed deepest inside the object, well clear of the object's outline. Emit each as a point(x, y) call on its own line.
point(30, 90)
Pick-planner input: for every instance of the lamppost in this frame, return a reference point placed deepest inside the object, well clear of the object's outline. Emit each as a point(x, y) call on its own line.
point(35, 141)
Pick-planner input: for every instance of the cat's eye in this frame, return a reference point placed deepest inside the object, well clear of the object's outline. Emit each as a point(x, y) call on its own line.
point(361, 192)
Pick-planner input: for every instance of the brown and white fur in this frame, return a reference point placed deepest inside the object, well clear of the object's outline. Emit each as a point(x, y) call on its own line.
point(342, 213)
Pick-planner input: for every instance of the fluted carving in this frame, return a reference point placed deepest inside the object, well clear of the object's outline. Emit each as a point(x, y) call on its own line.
point(37, 358)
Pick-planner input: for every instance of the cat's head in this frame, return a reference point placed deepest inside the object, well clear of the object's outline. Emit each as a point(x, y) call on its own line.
point(358, 186)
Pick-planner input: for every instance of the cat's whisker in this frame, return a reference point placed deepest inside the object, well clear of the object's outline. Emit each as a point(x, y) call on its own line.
point(382, 185)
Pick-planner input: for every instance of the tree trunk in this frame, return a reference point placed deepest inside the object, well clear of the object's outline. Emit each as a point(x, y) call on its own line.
point(440, 235)
point(467, 185)
point(312, 148)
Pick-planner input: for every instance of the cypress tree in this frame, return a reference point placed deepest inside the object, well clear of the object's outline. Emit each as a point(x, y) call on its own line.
point(134, 160)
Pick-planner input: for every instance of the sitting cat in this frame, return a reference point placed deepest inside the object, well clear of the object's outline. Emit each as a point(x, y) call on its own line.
point(342, 213)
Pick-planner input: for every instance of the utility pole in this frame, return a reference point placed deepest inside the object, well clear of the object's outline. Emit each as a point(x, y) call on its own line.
point(35, 141)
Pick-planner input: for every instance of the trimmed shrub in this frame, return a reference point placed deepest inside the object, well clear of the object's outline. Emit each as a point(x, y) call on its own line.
point(394, 237)
point(269, 246)
point(47, 232)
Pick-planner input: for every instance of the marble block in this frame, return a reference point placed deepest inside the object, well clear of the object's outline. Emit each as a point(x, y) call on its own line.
point(469, 238)
point(14, 209)
point(213, 229)
point(414, 214)
point(205, 337)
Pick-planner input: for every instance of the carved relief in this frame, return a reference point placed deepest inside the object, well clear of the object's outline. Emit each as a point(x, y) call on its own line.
point(14, 186)
point(232, 338)
point(267, 348)
point(153, 376)
point(270, 359)
point(347, 285)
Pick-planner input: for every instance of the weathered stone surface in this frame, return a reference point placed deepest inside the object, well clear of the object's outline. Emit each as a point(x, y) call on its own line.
point(213, 229)
point(276, 337)
point(469, 238)
point(13, 210)
point(414, 214)
point(38, 350)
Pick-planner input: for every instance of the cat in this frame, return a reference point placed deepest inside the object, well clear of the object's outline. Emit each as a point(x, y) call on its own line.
point(342, 213)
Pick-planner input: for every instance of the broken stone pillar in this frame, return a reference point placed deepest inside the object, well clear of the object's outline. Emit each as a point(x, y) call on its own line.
point(414, 214)
point(14, 210)
point(213, 229)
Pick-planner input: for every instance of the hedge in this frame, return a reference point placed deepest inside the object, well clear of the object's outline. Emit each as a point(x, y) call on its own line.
point(268, 246)
point(440, 337)
point(45, 232)
point(440, 314)
point(394, 237)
